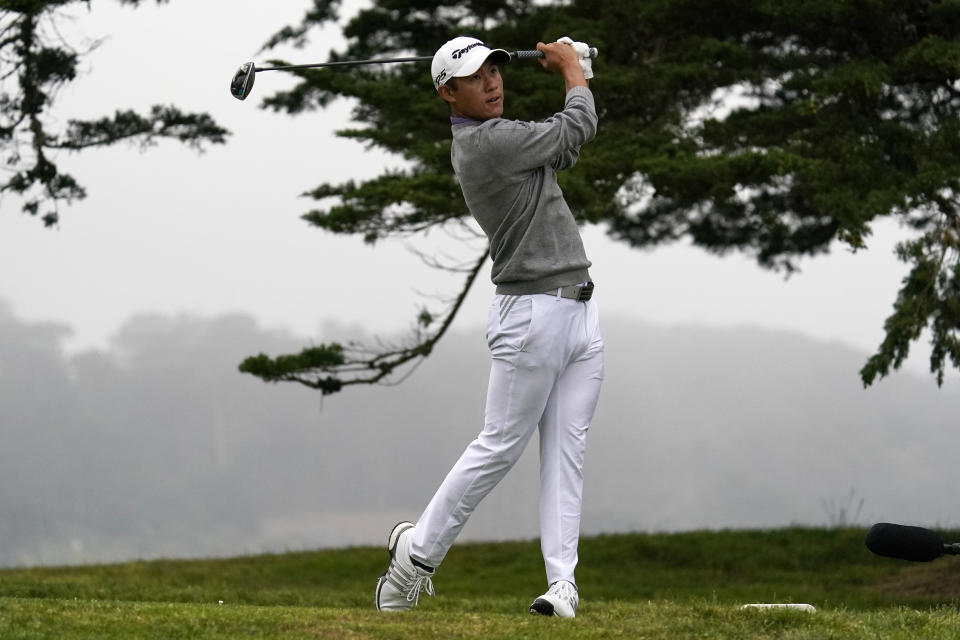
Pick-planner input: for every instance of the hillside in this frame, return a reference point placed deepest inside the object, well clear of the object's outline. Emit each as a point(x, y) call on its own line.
point(640, 585)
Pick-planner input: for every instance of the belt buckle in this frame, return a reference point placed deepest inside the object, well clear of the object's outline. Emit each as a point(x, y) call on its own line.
point(586, 292)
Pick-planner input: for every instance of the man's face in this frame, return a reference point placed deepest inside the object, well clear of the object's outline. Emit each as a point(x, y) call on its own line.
point(478, 96)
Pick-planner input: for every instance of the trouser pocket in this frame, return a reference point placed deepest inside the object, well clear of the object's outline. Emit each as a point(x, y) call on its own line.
point(509, 324)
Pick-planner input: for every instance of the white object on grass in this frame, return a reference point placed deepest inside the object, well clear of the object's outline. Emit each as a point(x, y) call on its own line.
point(797, 607)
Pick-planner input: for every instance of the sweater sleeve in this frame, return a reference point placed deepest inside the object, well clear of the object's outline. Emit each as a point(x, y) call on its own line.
point(567, 159)
point(514, 146)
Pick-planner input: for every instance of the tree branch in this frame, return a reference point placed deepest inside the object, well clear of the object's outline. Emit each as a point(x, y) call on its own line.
point(331, 367)
point(40, 64)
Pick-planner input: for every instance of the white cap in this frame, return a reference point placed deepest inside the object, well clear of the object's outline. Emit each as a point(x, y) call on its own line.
point(461, 57)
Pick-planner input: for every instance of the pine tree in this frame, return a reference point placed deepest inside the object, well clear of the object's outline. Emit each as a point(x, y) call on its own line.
point(35, 62)
point(770, 127)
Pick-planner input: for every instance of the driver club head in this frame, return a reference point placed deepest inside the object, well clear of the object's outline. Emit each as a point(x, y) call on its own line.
point(242, 83)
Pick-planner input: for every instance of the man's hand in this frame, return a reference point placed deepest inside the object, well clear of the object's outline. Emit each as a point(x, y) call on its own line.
point(583, 53)
point(560, 57)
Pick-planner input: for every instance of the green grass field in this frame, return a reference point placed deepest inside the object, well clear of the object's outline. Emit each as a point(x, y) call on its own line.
point(687, 585)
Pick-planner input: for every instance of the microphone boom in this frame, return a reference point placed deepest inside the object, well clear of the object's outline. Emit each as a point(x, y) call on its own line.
point(915, 544)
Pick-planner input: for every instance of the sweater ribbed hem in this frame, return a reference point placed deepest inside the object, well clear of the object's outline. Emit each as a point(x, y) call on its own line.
point(543, 285)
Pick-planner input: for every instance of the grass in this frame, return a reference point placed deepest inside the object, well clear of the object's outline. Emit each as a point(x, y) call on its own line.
point(686, 585)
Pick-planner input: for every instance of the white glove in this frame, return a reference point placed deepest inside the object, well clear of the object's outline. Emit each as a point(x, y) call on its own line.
point(583, 50)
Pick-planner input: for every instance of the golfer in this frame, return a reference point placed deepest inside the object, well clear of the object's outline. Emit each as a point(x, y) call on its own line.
point(542, 328)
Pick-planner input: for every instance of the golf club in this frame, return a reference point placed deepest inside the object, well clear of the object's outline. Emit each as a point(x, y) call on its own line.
point(915, 544)
point(242, 83)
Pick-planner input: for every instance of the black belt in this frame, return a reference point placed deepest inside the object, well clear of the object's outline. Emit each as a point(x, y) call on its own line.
point(578, 292)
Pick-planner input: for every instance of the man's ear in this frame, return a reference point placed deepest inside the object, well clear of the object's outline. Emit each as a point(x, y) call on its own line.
point(446, 93)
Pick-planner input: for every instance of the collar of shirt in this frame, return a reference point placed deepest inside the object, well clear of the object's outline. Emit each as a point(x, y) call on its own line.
point(458, 120)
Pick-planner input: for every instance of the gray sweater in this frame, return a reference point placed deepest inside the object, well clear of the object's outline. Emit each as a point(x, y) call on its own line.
point(507, 170)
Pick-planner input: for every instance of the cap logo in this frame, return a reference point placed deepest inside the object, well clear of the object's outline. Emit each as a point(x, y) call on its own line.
point(439, 79)
point(456, 55)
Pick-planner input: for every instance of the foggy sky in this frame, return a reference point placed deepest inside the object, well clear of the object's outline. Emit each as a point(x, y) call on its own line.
point(167, 230)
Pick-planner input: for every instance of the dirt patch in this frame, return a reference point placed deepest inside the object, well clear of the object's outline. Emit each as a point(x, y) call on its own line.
point(939, 579)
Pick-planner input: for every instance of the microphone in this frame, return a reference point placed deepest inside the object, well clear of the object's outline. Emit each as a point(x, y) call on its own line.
point(915, 544)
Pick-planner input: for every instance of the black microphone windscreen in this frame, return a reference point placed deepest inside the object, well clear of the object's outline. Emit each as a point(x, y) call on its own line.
point(907, 543)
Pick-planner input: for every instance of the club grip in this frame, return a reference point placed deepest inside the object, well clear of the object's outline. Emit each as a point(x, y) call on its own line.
point(536, 53)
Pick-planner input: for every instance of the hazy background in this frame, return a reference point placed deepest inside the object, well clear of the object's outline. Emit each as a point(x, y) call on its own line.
point(732, 396)
point(157, 447)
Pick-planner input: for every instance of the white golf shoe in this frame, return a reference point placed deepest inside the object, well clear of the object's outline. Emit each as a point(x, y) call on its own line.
point(399, 588)
point(561, 599)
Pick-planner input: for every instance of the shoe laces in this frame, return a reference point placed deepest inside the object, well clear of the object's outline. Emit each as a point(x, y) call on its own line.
point(410, 584)
point(420, 583)
point(565, 590)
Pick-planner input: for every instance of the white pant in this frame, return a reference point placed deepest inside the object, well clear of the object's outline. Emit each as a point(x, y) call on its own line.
point(547, 369)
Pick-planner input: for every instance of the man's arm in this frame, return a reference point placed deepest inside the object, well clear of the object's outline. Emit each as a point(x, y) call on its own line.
point(514, 147)
point(567, 159)
point(560, 57)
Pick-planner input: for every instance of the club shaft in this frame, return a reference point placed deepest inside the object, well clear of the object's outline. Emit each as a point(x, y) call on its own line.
point(350, 63)
point(344, 63)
